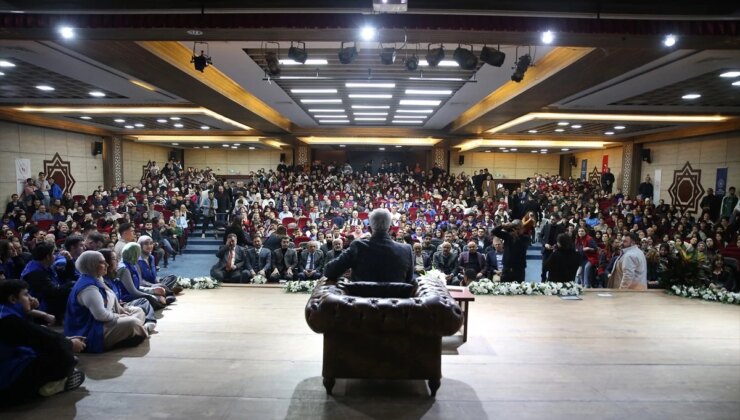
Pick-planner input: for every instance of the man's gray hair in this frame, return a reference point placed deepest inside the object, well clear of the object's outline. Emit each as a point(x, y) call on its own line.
point(380, 220)
point(87, 263)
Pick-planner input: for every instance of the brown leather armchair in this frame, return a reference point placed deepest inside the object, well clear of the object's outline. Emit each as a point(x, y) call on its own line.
point(385, 337)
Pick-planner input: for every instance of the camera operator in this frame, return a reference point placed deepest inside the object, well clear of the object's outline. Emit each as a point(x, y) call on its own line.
point(515, 250)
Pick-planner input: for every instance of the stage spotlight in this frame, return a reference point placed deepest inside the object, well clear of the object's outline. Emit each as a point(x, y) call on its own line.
point(521, 67)
point(299, 55)
point(200, 62)
point(388, 55)
point(434, 56)
point(465, 58)
point(273, 64)
point(348, 54)
point(412, 63)
point(492, 56)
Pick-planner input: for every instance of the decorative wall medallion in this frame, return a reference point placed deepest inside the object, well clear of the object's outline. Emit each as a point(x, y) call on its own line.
point(61, 171)
point(595, 176)
point(145, 170)
point(686, 189)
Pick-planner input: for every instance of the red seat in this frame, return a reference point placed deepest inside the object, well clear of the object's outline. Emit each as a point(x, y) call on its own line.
point(158, 207)
point(412, 213)
point(44, 224)
point(290, 232)
point(302, 221)
point(78, 198)
point(167, 214)
point(301, 239)
point(362, 215)
point(122, 198)
point(287, 221)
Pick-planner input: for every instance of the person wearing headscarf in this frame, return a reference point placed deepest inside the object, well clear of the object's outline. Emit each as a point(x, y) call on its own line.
point(111, 280)
point(148, 268)
point(129, 275)
point(93, 310)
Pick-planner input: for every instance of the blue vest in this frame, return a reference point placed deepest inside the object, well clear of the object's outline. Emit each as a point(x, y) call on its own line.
point(115, 286)
point(79, 321)
point(125, 295)
point(13, 359)
point(148, 271)
point(32, 266)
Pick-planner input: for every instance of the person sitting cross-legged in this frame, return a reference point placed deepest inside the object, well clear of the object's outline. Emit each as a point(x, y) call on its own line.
point(93, 310)
point(233, 265)
point(311, 265)
point(284, 261)
point(260, 260)
point(148, 269)
point(129, 275)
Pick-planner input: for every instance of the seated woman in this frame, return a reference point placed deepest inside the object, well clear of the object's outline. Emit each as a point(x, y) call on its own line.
point(111, 280)
point(148, 270)
point(130, 277)
point(93, 310)
point(720, 276)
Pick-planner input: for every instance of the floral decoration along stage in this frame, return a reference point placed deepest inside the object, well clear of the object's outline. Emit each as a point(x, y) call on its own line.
point(490, 287)
point(295, 286)
point(197, 282)
point(706, 293)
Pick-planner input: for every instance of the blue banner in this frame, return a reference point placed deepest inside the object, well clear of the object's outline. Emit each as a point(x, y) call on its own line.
point(584, 169)
point(721, 183)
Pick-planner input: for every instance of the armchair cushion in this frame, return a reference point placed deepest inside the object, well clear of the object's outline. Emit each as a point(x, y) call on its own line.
point(370, 289)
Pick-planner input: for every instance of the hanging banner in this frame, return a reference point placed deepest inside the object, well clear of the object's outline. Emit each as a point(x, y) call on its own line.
point(22, 173)
point(721, 184)
point(584, 169)
point(604, 163)
point(656, 186)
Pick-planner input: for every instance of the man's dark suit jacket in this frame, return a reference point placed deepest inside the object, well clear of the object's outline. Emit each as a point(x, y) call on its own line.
point(240, 257)
point(318, 265)
point(378, 259)
point(447, 265)
point(491, 262)
point(263, 261)
point(282, 264)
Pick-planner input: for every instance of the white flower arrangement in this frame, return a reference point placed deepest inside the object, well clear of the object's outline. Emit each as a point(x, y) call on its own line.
point(295, 286)
point(259, 279)
point(205, 282)
point(434, 274)
point(706, 293)
point(490, 287)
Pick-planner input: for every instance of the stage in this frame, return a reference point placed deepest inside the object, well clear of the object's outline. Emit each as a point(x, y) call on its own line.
point(246, 352)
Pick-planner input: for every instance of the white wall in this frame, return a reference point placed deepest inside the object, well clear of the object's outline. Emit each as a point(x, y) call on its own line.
point(18, 141)
point(233, 162)
point(136, 156)
point(706, 153)
point(509, 165)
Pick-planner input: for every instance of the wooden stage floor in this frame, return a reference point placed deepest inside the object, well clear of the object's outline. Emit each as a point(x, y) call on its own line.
point(246, 353)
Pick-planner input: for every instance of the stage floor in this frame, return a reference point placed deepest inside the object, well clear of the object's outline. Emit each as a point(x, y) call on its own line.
point(246, 353)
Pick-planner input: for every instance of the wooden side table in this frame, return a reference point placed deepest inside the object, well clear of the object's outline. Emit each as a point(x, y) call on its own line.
point(463, 297)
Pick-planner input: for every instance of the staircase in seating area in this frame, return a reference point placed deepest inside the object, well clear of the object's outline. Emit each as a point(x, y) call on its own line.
point(203, 246)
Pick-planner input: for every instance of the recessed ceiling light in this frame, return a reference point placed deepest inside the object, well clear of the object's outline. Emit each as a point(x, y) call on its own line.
point(547, 37)
point(175, 118)
point(234, 147)
point(310, 61)
point(6, 63)
point(563, 123)
point(2, 74)
point(501, 148)
point(398, 146)
point(427, 92)
point(534, 151)
point(543, 150)
point(205, 127)
point(85, 117)
point(609, 133)
point(565, 149)
point(252, 147)
point(691, 96)
point(321, 101)
point(178, 125)
point(235, 144)
point(736, 83)
point(138, 125)
point(439, 79)
point(559, 130)
point(513, 149)
point(342, 145)
point(619, 127)
point(532, 131)
point(370, 106)
point(410, 116)
point(576, 126)
point(730, 74)
point(316, 110)
point(381, 148)
point(302, 77)
point(196, 147)
point(225, 145)
point(370, 96)
point(175, 144)
point(313, 91)
point(427, 102)
point(97, 94)
point(370, 85)
point(45, 88)
point(206, 147)
point(506, 151)
point(488, 151)
point(162, 120)
point(408, 121)
point(367, 33)
point(370, 113)
point(129, 126)
point(414, 111)
point(119, 120)
point(369, 119)
point(669, 40)
point(67, 32)
point(329, 116)
point(333, 121)
point(443, 63)
point(194, 32)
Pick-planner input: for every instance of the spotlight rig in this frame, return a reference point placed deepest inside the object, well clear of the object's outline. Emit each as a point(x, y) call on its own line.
point(200, 62)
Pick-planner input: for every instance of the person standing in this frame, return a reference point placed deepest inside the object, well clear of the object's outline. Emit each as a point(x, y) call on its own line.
point(630, 268)
point(563, 262)
point(607, 181)
point(515, 250)
point(208, 207)
point(549, 238)
point(646, 189)
point(44, 187)
point(728, 203)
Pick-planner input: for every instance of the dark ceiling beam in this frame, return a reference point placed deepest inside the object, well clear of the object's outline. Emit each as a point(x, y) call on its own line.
point(687, 132)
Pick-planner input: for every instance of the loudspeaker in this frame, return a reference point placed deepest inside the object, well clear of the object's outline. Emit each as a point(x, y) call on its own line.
point(573, 161)
point(461, 160)
point(173, 155)
point(646, 156)
point(282, 157)
point(97, 148)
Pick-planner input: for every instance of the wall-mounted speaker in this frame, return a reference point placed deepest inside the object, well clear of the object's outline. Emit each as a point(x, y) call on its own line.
point(646, 156)
point(573, 162)
point(461, 160)
point(97, 148)
point(282, 157)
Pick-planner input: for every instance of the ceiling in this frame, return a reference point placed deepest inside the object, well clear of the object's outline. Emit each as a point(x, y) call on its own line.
point(590, 85)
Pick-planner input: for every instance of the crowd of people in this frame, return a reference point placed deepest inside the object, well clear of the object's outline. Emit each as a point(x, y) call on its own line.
point(88, 264)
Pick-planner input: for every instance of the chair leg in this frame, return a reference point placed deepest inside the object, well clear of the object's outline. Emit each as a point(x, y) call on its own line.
point(329, 384)
point(433, 386)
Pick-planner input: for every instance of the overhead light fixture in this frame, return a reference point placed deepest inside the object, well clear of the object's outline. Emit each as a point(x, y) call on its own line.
point(564, 149)
point(521, 67)
point(730, 74)
point(513, 149)
point(465, 58)
point(535, 151)
point(205, 127)
point(408, 121)
point(370, 106)
point(175, 118)
point(178, 125)
point(381, 148)
point(200, 62)
point(370, 85)
point(563, 123)
point(85, 117)
point(390, 6)
point(342, 145)
point(369, 119)
point(619, 127)
point(435, 56)
point(67, 32)
point(272, 62)
point(427, 92)
point(175, 144)
point(505, 151)
point(532, 131)
point(669, 40)
point(411, 63)
point(129, 126)
point(252, 147)
point(370, 96)
point(97, 94)
point(492, 56)
point(414, 111)
point(347, 54)
point(559, 130)
point(139, 125)
point(313, 91)
point(609, 133)
point(428, 102)
point(443, 63)
point(196, 147)
point(318, 117)
point(316, 110)
point(334, 121)
point(6, 63)
point(119, 120)
point(736, 83)
point(543, 150)
point(310, 61)
point(321, 101)
point(2, 74)
point(576, 126)
point(206, 147)
point(371, 113)
point(410, 116)
point(547, 37)
point(162, 121)
point(387, 55)
point(194, 32)
point(45, 88)
point(438, 79)
point(298, 54)
point(225, 145)
point(234, 147)
point(367, 33)
point(488, 151)
point(690, 96)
